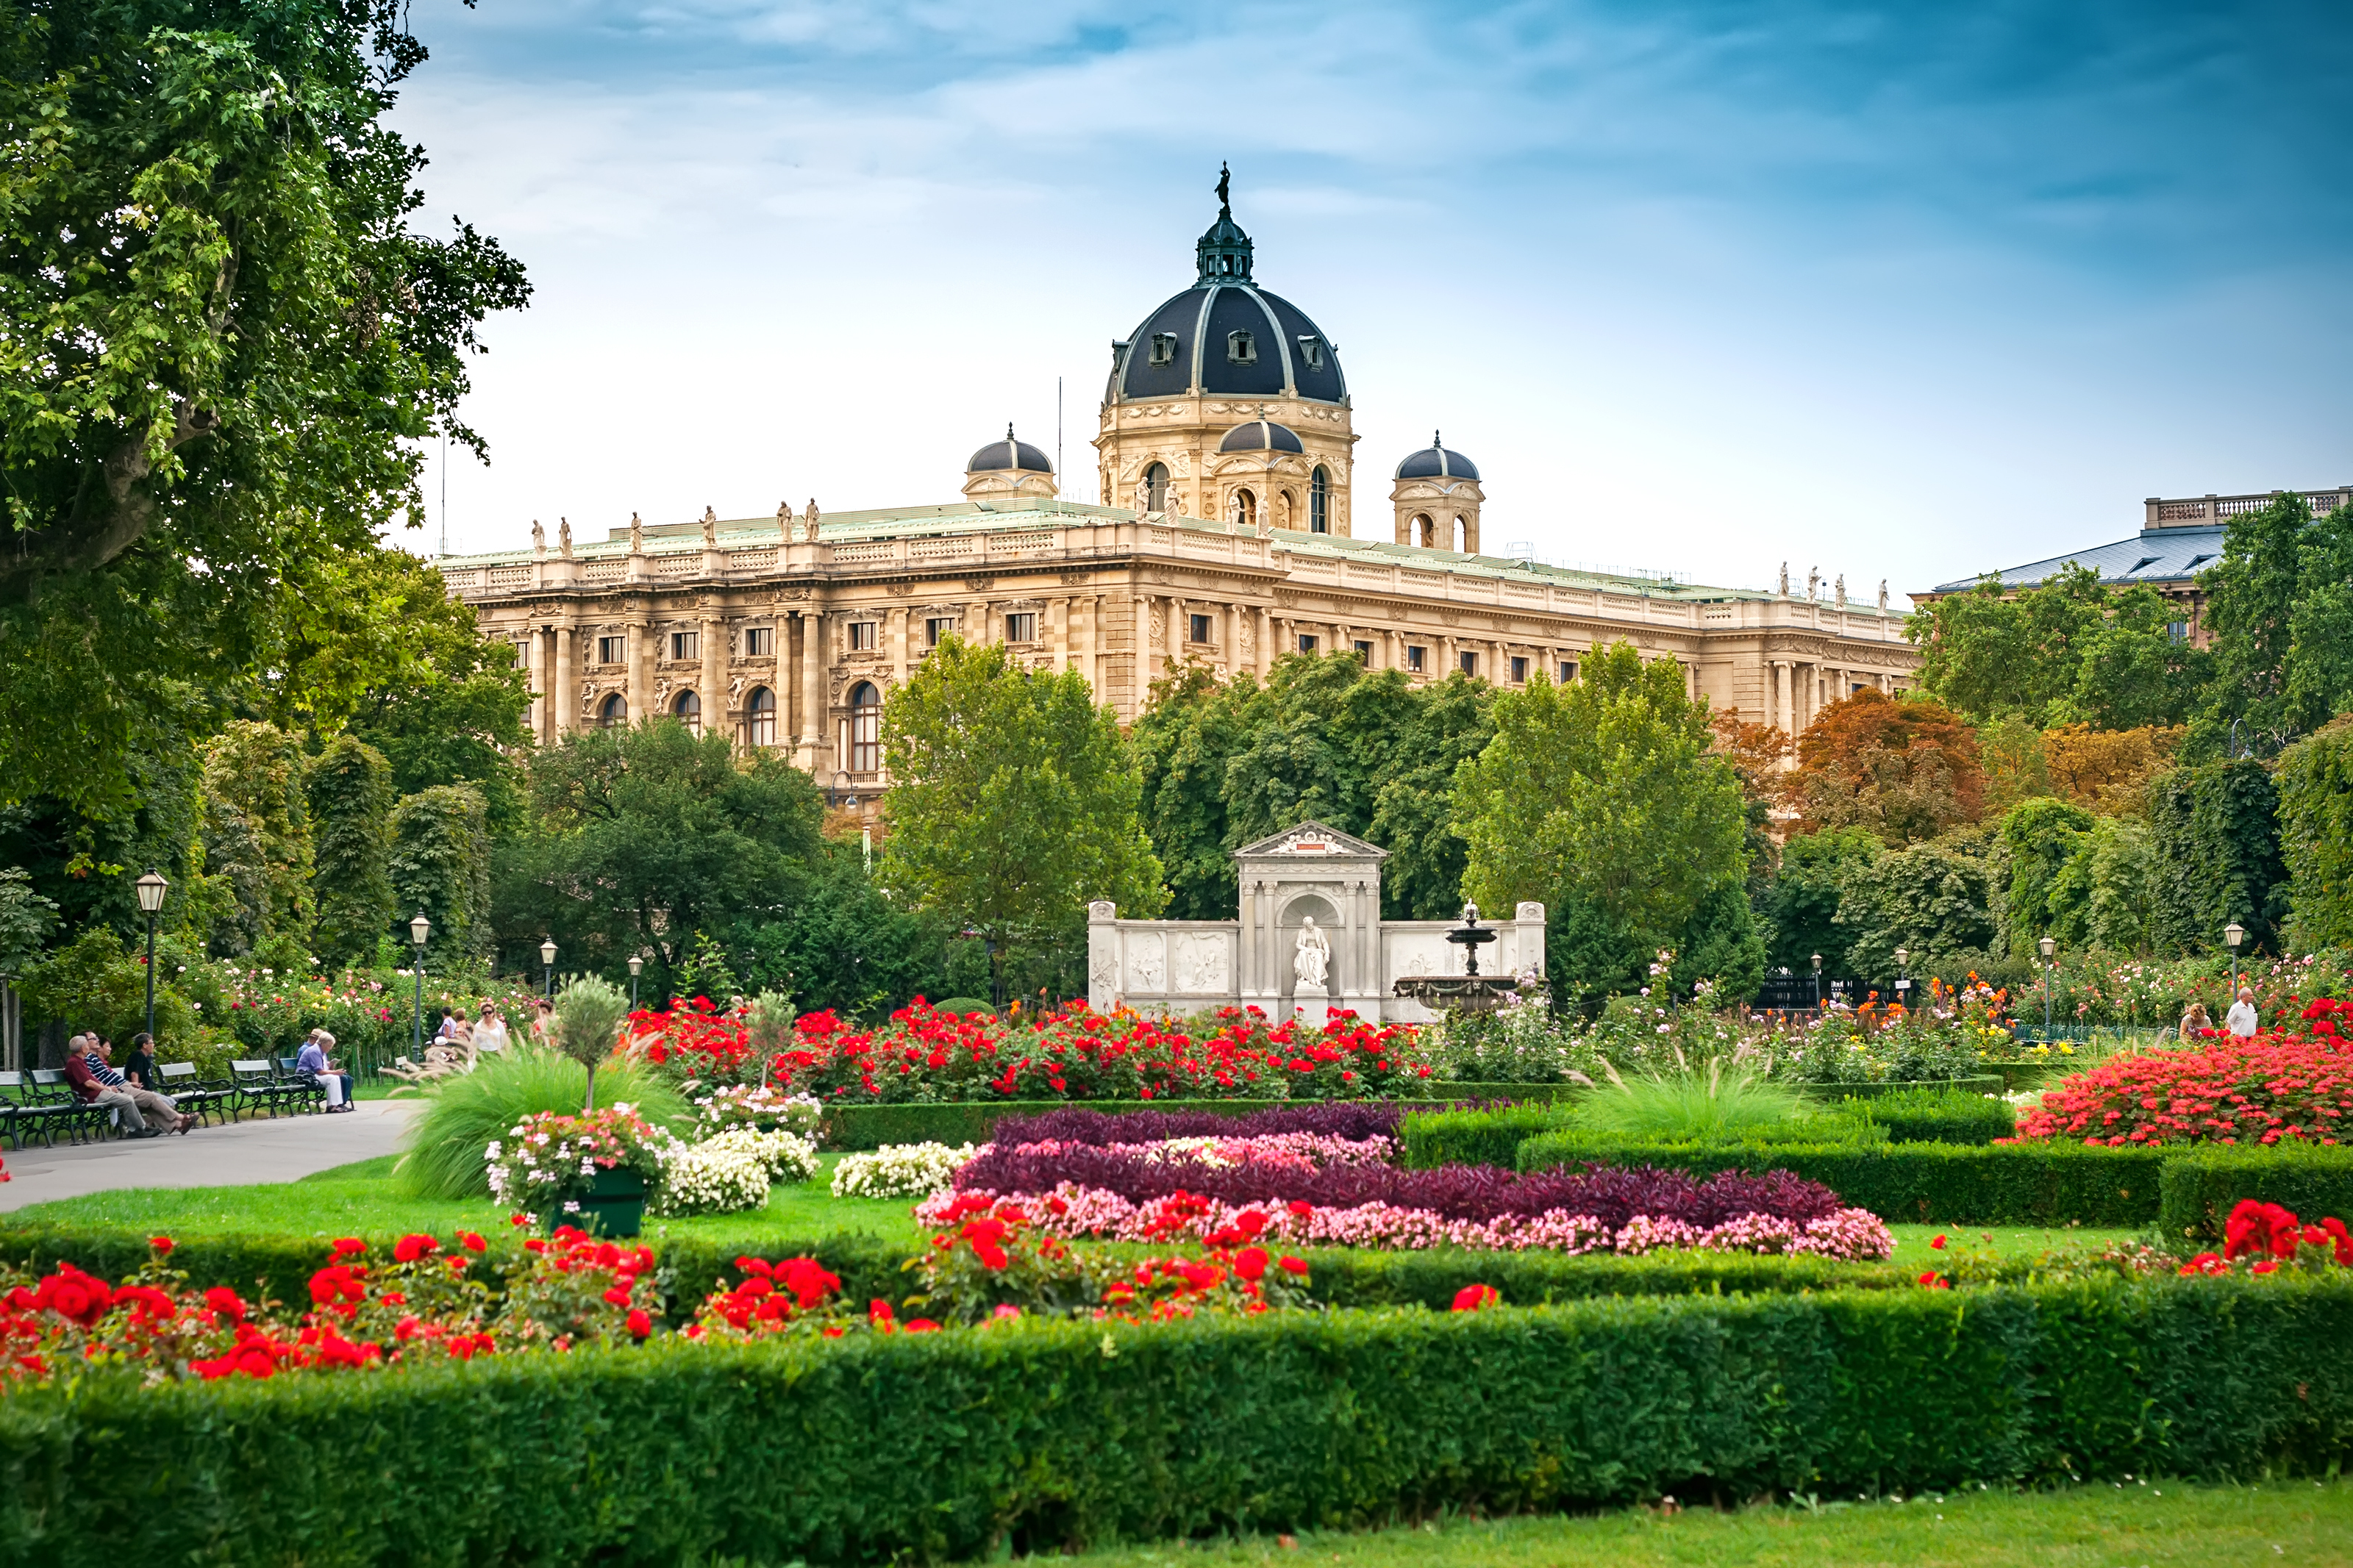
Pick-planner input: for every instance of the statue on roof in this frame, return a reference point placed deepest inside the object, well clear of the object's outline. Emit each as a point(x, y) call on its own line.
point(538, 538)
point(1882, 595)
point(637, 535)
point(710, 528)
point(1225, 191)
point(564, 537)
point(1814, 583)
point(1785, 579)
point(810, 521)
point(785, 521)
point(1841, 590)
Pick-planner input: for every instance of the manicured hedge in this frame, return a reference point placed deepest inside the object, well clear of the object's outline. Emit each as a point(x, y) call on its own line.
point(1045, 1436)
point(859, 1127)
point(1925, 1184)
point(1940, 1116)
point(1429, 1139)
point(2200, 1185)
point(1988, 1083)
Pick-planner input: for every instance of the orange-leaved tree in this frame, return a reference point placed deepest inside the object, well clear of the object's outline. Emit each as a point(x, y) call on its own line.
point(1903, 769)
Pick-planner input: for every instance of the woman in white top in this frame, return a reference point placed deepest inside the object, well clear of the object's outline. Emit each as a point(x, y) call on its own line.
point(490, 1034)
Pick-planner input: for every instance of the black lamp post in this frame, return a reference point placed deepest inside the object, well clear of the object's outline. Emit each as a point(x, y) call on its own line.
point(637, 962)
point(2049, 946)
point(547, 962)
point(2233, 935)
point(1818, 979)
point(1903, 974)
point(420, 931)
point(151, 888)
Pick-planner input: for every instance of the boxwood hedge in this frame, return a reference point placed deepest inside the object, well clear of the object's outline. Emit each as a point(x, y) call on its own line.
point(1044, 1435)
point(2200, 1185)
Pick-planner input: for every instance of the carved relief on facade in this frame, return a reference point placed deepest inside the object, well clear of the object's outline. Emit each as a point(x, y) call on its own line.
point(1198, 964)
point(1147, 969)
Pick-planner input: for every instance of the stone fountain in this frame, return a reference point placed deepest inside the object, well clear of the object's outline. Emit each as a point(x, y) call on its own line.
point(1469, 992)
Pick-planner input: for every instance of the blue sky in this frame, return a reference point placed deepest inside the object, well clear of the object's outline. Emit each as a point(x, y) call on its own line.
point(1903, 292)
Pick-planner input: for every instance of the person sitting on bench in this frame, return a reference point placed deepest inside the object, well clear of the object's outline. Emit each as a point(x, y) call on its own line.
point(95, 1083)
point(312, 1059)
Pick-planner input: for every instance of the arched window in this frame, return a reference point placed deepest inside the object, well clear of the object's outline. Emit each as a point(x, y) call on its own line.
point(1462, 533)
point(759, 717)
point(1319, 500)
point(1245, 510)
point(1423, 531)
point(611, 711)
point(689, 710)
point(1282, 509)
point(865, 729)
point(1156, 486)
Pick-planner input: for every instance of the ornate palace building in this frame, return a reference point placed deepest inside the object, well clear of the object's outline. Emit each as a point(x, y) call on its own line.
point(1224, 539)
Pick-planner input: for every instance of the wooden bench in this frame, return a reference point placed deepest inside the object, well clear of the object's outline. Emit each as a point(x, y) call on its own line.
point(305, 1088)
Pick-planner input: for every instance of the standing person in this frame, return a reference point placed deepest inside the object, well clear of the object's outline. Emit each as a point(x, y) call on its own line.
point(2241, 1019)
point(95, 1083)
point(490, 1034)
point(2194, 1023)
point(139, 1067)
point(312, 1059)
point(541, 1025)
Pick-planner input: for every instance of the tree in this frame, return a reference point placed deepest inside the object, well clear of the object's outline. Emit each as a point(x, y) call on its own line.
point(350, 799)
point(2217, 849)
point(257, 836)
point(1905, 770)
point(1941, 900)
point(842, 945)
point(1012, 801)
point(2043, 837)
point(640, 836)
point(2315, 823)
point(2015, 761)
point(2100, 897)
point(2069, 649)
point(1802, 906)
point(2280, 603)
point(1444, 725)
point(2109, 770)
point(1182, 743)
point(225, 348)
point(441, 866)
point(25, 921)
point(1602, 799)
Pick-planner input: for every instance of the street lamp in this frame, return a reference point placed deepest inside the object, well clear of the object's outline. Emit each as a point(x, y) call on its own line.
point(420, 931)
point(2233, 935)
point(1902, 979)
point(2049, 946)
point(151, 888)
point(547, 962)
point(637, 962)
point(1818, 979)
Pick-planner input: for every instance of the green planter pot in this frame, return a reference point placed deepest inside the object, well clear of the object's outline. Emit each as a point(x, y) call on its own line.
point(614, 1204)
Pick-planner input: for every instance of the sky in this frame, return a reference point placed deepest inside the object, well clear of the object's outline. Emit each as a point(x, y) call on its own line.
point(1904, 292)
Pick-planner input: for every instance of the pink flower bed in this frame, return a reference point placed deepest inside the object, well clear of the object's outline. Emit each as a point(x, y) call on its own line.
point(1278, 1150)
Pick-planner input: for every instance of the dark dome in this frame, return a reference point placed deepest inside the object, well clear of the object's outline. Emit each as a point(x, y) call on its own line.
point(1435, 462)
point(1260, 435)
point(1225, 337)
point(1008, 454)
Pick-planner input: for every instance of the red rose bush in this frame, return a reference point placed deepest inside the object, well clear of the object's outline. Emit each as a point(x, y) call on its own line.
point(2269, 1087)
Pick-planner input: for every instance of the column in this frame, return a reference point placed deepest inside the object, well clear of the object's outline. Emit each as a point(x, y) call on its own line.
point(1179, 627)
point(1090, 607)
point(1779, 698)
point(1058, 632)
point(899, 665)
point(714, 691)
point(813, 663)
point(1265, 642)
point(1144, 668)
point(640, 668)
point(560, 698)
point(536, 661)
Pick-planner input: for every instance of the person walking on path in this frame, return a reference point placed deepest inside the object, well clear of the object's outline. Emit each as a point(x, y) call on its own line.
point(490, 1034)
point(95, 1083)
point(2240, 1020)
point(2195, 1023)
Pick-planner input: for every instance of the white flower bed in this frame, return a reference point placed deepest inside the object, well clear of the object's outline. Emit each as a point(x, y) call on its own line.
point(733, 1170)
point(899, 1171)
point(756, 1105)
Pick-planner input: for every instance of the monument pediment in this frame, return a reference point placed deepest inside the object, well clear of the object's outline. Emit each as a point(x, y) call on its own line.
point(1311, 841)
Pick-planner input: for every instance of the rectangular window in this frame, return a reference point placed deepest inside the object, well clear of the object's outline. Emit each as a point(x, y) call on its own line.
point(759, 642)
point(1311, 349)
point(862, 634)
point(1469, 662)
point(686, 644)
point(1519, 670)
point(1022, 628)
point(1306, 643)
point(1242, 348)
point(1365, 653)
point(938, 627)
point(1568, 670)
point(1164, 348)
point(1416, 659)
point(2178, 630)
point(1201, 630)
point(609, 650)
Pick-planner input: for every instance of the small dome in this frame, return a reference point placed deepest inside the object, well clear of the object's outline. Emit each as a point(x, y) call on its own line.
point(1435, 462)
point(1260, 435)
point(1008, 454)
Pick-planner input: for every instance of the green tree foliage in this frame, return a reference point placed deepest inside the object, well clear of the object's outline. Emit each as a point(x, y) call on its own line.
point(257, 832)
point(98, 981)
point(2280, 603)
point(442, 865)
point(86, 864)
point(1603, 800)
point(640, 837)
point(2042, 837)
point(26, 918)
point(350, 797)
point(1941, 900)
point(1013, 801)
point(225, 343)
point(1801, 904)
point(2316, 821)
point(2069, 650)
point(2217, 849)
point(2100, 897)
point(1367, 752)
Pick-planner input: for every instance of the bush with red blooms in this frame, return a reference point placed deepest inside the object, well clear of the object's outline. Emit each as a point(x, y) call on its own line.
point(923, 1054)
point(771, 1299)
point(573, 1287)
point(1477, 1297)
point(2267, 1088)
point(2266, 1238)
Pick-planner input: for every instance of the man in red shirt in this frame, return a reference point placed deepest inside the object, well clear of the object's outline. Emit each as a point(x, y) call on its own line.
point(86, 1070)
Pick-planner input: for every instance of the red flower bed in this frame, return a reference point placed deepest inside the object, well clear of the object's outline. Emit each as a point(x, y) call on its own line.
point(924, 1054)
point(2267, 1088)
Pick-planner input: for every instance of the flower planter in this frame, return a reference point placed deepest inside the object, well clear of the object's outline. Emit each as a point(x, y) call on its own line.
point(614, 1204)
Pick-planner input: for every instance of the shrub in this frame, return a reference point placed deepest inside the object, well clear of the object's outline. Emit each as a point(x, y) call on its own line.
point(733, 1170)
point(1041, 1436)
point(2265, 1088)
point(2202, 1185)
point(899, 1171)
point(1354, 1121)
point(1433, 1138)
point(466, 1113)
point(1925, 1184)
point(1937, 1116)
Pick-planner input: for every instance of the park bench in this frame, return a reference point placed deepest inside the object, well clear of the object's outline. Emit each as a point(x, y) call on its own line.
point(256, 1083)
point(307, 1088)
point(53, 1090)
point(200, 1096)
point(27, 1110)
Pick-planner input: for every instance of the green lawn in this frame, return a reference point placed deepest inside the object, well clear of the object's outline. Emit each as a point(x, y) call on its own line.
point(2136, 1525)
point(1913, 1250)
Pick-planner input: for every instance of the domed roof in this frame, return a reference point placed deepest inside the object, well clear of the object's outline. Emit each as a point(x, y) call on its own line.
point(1435, 462)
point(1260, 435)
point(1225, 337)
point(1008, 454)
